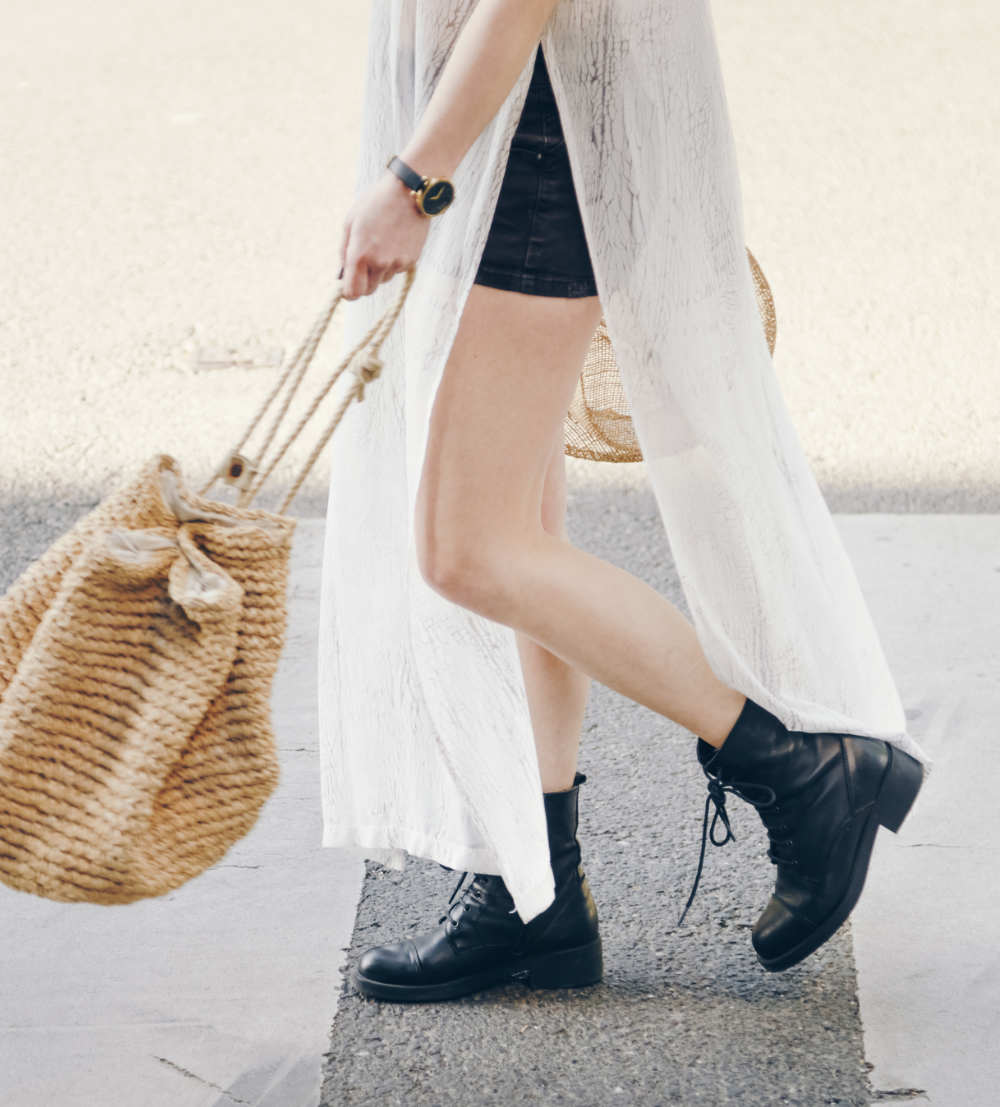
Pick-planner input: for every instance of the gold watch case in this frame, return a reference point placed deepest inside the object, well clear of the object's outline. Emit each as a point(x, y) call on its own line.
point(435, 196)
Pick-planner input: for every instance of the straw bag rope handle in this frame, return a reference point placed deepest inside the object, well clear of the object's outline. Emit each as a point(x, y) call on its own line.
point(239, 470)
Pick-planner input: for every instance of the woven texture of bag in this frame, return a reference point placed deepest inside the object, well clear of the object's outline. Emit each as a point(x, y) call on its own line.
point(135, 660)
point(137, 657)
point(598, 425)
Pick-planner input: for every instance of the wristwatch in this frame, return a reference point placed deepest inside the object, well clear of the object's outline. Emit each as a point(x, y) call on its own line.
point(431, 194)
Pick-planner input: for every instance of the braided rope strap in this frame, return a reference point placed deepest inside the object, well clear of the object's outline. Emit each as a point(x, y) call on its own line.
point(362, 360)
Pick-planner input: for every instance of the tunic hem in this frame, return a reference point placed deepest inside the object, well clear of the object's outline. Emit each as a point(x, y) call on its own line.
point(390, 845)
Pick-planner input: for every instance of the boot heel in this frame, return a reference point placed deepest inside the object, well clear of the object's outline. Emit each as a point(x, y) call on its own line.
point(567, 968)
point(902, 782)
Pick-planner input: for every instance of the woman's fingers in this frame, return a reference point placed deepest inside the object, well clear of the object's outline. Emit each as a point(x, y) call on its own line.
point(373, 280)
point(355, 280)
point(361, 279)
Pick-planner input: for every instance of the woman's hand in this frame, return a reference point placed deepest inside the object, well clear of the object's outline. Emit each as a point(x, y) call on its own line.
point(383, 235)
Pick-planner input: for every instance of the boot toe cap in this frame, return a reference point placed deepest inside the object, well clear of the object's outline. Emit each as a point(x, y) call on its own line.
point(396, 963)
point(778, 931)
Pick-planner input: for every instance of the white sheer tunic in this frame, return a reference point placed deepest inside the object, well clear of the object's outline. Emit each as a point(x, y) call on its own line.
point(426, 745)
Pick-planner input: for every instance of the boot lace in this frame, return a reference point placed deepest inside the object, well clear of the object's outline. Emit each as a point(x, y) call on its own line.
point(760, 796)
point(476, 891)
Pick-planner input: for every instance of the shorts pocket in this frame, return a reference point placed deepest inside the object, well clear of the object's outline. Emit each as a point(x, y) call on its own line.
point(536, 145)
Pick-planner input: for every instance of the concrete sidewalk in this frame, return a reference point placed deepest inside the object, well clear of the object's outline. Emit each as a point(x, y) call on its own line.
point(221, 992)
point(927, 930)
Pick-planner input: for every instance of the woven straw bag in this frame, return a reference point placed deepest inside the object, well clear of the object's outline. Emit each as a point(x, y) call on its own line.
point(598, 425)
point(136, 662)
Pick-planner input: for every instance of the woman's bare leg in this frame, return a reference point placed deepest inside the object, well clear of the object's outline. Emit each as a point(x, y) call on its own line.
point(502, 398)
point(557, 691)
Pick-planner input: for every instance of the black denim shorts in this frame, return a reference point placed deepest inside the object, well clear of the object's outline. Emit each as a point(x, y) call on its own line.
point(536, 242)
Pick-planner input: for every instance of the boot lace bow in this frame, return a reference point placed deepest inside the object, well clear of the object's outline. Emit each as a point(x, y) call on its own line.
point(759, 795)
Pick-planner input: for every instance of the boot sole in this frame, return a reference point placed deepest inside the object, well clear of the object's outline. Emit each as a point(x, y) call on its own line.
point(903, 780)
point(565, 968)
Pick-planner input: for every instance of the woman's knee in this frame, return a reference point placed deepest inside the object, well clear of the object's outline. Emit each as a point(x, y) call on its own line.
point(468, 558)
point(466, 567)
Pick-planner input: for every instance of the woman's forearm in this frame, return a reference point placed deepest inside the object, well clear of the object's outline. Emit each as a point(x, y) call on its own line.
point(489, 53)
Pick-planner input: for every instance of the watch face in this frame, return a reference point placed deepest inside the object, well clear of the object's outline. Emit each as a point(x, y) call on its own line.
point(438, 196)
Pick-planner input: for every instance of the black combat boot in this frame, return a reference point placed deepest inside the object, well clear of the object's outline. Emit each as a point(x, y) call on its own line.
point(481, 941)
point(822, 797)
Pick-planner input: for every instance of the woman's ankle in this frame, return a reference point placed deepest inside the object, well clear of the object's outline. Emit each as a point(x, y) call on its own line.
point(718, 728)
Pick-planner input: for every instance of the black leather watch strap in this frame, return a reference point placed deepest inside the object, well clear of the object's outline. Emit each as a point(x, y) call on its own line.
point(410, 177)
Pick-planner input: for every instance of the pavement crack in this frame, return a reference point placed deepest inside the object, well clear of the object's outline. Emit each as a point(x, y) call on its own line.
point(194, 1076)
point(884, 1094)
